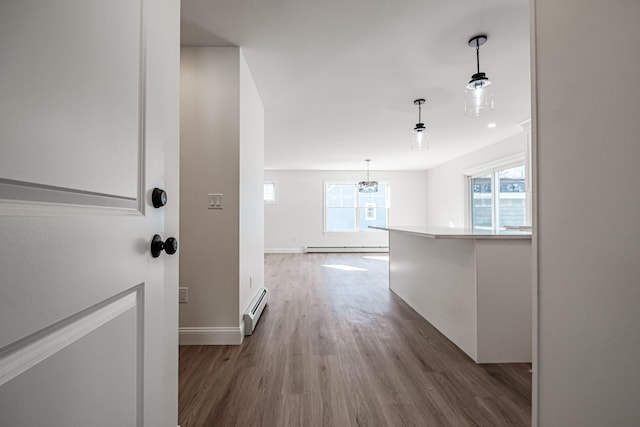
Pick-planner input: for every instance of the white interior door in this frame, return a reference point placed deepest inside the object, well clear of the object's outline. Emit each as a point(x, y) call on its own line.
point(84, 121)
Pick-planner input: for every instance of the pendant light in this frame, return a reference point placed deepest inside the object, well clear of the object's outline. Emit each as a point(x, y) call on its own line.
point(478, 96)
point(420, 135)
point(368, 186)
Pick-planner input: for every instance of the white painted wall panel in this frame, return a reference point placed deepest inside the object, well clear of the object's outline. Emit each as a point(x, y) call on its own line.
point(504, 300)
point(588, 231)
point(222, 151)
point(209, 161)
point(251, 188)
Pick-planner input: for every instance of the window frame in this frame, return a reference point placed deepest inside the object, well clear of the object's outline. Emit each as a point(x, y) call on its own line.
point(492, 168)
point(356, 208)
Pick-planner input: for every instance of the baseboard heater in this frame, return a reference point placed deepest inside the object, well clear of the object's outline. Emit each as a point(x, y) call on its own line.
point(312, 249)
point(256, 307)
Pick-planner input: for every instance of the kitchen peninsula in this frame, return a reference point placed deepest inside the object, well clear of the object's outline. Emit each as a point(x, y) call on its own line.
point(474, 287)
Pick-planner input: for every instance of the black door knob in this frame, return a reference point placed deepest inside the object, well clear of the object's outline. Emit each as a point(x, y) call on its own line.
point(170, 246)
point(158, 197)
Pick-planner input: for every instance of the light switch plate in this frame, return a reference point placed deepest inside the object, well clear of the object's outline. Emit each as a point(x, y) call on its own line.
point(183, 294)
point(215, 200)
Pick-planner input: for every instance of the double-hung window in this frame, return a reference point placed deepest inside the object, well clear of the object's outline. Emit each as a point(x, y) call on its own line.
point(347, 210)
point(498, 198)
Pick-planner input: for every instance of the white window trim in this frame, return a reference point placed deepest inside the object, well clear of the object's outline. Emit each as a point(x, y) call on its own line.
point(275, 193)
point(357, 230)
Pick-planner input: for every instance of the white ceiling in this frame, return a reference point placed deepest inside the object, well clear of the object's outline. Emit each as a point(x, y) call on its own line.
point(338, 77)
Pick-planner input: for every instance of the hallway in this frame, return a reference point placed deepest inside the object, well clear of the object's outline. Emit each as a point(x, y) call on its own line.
point(335, 347)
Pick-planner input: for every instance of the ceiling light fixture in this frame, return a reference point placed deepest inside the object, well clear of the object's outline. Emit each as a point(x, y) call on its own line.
point(420, 135)
point(368, 186)
point(478, 96)
point(491, 125)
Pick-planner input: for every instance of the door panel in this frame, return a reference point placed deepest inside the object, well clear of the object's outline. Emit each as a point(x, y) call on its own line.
point(84, 338)
point(75, 67)
point(97, 373)
point(73, 262)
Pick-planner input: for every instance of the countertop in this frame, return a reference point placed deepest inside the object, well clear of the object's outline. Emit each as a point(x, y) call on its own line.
point(458, 233)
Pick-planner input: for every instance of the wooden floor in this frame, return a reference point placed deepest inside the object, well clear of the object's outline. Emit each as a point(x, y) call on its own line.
point(335, 347)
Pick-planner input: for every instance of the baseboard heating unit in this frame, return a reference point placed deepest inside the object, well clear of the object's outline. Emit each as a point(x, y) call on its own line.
point(254, 311)
point(313, 249)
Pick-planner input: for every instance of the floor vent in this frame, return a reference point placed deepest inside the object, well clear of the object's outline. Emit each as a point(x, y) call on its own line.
point(256, 307)
point(313, 249)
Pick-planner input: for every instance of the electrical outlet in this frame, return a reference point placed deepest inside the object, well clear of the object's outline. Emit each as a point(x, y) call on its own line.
point(183, 295)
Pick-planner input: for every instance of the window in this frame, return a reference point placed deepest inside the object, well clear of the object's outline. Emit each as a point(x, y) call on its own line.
point(370, 212)
point(498, 198)
point(270, 192)
point(347, 210)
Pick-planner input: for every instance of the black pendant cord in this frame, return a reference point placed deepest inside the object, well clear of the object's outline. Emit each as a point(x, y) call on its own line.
point(419, 126)
point(478, 55)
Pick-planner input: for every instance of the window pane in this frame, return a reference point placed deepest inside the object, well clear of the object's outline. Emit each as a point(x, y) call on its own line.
point(481, 203)
point(370, 212)
point(341, 219)
point(373, 216)
point(341, 195)
point(512, 199)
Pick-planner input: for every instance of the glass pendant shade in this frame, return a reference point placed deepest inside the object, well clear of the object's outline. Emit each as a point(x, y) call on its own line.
point(419, 138)
point(478, 97)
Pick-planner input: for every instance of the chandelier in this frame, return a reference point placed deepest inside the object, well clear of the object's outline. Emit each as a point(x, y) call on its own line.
point(368, 186)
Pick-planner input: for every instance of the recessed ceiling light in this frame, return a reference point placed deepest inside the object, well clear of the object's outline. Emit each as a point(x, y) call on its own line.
point(491, 125)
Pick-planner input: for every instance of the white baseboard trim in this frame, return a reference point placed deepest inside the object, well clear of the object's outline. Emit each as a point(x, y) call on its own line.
point(346, 249)
point(283, 250)
point(211, 335)
point(242, 329)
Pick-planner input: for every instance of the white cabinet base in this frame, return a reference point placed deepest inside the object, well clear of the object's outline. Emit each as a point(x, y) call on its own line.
point(477, 292)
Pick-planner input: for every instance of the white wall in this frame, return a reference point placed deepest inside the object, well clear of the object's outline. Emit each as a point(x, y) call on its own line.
point(297, 220)
point(221, 133)
point(251, 187)
point(588, 223)
point(209, 151)
point(445, 184)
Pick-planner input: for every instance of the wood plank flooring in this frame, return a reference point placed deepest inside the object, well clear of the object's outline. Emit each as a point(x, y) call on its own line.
point(335, 347)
